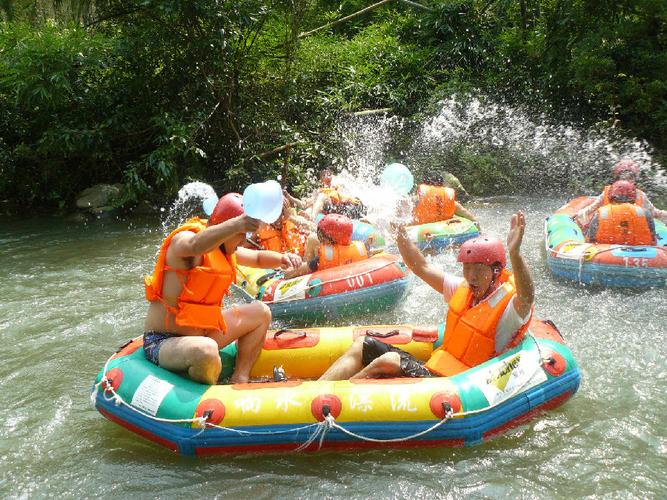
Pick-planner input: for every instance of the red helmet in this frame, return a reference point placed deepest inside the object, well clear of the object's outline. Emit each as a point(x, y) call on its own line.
point(337, 227)
point(229, 206)
point(483, 250)
point(625, 165)
point(623, 191)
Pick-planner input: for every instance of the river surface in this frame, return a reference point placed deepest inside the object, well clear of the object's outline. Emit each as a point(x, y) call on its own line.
point(73, 293)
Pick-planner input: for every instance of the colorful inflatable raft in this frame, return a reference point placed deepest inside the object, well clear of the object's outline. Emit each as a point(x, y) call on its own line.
point(570, 257)
point(467, 409)
point(436, 236)
point(372, 285)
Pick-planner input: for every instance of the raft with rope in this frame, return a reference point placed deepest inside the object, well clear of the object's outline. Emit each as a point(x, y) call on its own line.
point(372, 285)
point(569, 256)
point(195, 419)
point(437, 236)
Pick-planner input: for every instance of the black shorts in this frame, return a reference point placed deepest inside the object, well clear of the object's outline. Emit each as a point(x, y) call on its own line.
point(410, 366)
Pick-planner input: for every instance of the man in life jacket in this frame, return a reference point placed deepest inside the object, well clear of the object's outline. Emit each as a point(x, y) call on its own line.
point(436, 203)
point(331, 246)
point(489, 311)
point(622, 221)
point(288, 234)
point(624, 170)
point(186, 326)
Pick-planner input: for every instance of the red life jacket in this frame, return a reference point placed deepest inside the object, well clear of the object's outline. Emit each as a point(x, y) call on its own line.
point(435, 203)
point(623, 224)
point(338, 255)
point(199, 304)
point(470, 332)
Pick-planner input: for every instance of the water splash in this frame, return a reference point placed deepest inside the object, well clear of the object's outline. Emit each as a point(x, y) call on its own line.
point(188, 204)
point(493, 146)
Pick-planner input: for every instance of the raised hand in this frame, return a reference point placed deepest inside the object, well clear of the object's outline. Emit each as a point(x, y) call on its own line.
point(515, 235)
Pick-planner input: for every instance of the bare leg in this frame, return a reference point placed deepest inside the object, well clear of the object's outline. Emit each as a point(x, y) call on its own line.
point(387, 364)
point(248, 323)
point(197, 356)
point(348, 364)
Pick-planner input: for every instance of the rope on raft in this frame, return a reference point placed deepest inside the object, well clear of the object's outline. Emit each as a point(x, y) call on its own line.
point(321, 429)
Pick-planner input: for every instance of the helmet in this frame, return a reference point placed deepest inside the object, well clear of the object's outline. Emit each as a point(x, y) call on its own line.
point(483, 250)
point(625, 165)
point(623, 191)
point(337, 227)
point(229, 206)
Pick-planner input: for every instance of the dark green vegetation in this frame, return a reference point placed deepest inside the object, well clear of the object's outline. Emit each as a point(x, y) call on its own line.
point(152, 93)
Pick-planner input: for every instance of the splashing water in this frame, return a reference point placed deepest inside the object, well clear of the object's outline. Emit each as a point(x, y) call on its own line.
point(528, 152)
point(188, 204)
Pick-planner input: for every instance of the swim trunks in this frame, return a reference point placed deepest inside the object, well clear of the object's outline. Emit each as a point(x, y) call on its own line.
point(152, 343)
point(410, 366)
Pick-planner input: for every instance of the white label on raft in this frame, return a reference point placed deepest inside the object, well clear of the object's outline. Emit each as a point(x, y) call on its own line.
point(506, 378)
point(576, 250)
point(150, 393)
point(292, 289)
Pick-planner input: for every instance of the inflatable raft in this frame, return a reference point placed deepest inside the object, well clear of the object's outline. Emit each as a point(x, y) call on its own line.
point(372, 285)
point(570, 257)
point(194, 419)
point(436, 236)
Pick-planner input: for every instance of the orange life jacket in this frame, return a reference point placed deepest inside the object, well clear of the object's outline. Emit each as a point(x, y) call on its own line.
point(338, 198)
point(338, 255)
point(639, 200)
point(434, 203)
point(288, 239)
point(623, 224)
point(470, 332)
point(204, 286)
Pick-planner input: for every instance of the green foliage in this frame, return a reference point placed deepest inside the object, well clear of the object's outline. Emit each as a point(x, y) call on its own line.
point(152, 93)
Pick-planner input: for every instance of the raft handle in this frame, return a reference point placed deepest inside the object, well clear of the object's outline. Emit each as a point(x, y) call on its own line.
point(448, 409)
point(287, 330)
point(380, 335)
point(124, 346)
point(326, 411)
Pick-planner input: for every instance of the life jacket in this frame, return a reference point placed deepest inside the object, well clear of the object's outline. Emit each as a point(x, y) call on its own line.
point(470, 332)
point(338, 255)
point(338, 198)
point(434, 203)
point(288, 239)
point(204, 286)
point(639, 200)
point(623, 224)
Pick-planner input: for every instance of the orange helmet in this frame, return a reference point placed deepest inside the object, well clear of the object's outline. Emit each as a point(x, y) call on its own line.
point(337, 227)
point(228, 207)
point(623, 191)
point(625, 165)
point(483, 250)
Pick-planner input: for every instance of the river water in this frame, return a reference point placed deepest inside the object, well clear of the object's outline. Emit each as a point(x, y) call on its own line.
point(73, 293)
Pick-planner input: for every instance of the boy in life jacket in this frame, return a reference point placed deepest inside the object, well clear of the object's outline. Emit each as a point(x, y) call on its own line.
point(185, 326)
point(489, 311)
point(288, 234)
point(436, 201)
point(625, 170)
point(331, 246)
point(621, 221)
